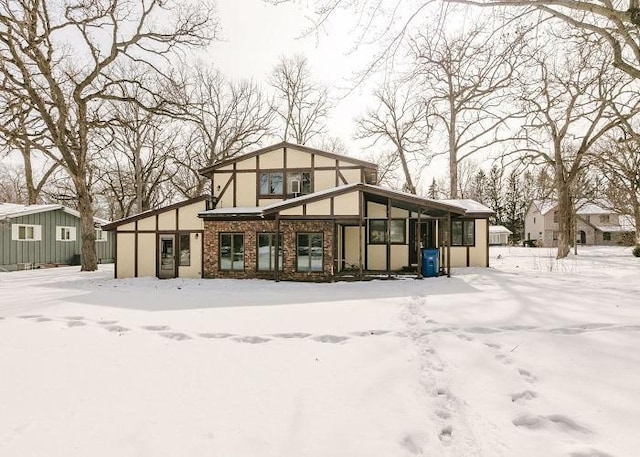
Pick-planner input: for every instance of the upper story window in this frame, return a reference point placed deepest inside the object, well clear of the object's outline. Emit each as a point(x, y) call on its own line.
point(271, 183)
point(65, 233)
point(26, 232)
point(604, 218)
point(299, 183)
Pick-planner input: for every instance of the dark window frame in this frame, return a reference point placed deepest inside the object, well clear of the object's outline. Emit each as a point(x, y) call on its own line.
point(384, 223)
point(606, 236)
point(309, 246)
point(295, 171)
point(280, 172)
point(180, 249)
point(271, 254)
point(220, 253)
point(464, 223)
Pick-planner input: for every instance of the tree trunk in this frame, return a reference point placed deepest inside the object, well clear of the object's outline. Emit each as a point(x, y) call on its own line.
point(636, 217)
point(89, 256)
point(407, 174)
point(565, 212)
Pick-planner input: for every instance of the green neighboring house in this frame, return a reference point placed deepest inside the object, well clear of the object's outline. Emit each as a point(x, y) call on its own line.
point(38, 235)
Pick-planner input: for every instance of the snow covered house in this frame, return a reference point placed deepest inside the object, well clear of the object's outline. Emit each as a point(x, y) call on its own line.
point(292, 212)
point(596, 225)
point(36, 235)
point(499, 235)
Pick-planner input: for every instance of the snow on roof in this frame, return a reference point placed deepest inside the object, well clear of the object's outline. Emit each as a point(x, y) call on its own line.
point(470, 206)
point(584, 207)
point(496, 229)
point(235, 210)
point(11, 210)
point(544, 206)
point(625, 225)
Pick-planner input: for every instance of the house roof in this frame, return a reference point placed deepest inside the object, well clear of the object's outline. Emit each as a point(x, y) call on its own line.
point(625, 224)
point(584, 207)
point(499, 229)
point(459, 207)
point(284, 144)
point(153, 212)
point(12, 210)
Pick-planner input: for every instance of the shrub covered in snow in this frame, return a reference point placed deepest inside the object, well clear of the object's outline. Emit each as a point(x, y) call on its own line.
point(636, 251)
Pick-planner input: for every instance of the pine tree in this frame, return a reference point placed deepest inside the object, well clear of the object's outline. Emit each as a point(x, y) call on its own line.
point(493, 194)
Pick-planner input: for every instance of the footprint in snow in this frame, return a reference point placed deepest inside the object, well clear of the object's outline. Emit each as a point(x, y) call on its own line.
point(527, 376)
point(514, 328)
point(590, 453)
point(464, 337)
point(553, 421)
point(370, 333)
point(291, 335)
point(483, 330)
point(117, 329)
point(216, 335)
point(74, 318)
point(503, 358)
point(523, 396)
point(251, 339)
point(43, 319)
point(446, 434)
point(493, 345)
point(30, 316)
point(330, 339)
point(443, 414)
point(75, 324)
point(411, 444)
point(177, 336)
point(156, 328)
point(107, 322)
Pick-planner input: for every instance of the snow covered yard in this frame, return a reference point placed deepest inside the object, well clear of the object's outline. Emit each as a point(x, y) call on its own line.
point(533, 357)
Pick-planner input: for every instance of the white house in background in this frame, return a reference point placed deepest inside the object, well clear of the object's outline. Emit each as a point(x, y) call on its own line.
point(499, 235)
point(596, 225)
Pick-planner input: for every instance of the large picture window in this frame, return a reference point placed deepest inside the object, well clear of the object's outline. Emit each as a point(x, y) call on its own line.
point(271, 183)
point(299, 182)
point(309, 249)
point(463, 233)
point(267, 252)
point(231, 251)
point(378, 231)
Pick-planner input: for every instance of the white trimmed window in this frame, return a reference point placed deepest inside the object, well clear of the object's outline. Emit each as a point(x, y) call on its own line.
point(26, 232)
point(100, 235)
point(65, 233)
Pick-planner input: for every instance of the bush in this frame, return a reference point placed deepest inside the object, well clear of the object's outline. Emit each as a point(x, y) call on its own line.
point(636, 251)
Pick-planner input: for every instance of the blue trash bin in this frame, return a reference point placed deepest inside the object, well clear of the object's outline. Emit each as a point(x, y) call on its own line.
point(430, 262)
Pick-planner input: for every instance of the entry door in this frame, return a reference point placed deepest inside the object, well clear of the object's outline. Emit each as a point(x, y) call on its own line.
point(427, 238)
point(167, 266)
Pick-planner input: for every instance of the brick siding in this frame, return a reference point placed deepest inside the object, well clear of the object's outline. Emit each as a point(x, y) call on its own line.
point(250, 229)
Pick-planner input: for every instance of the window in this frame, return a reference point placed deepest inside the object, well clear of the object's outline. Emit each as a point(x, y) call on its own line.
point(606, 236)
point(555, 216)
point(65, 233)
point(271, 183)
point(26, 232)
point(101, 235)
point(231, 251)
point(378, 231)
point(267, 251)
point(604, 219)
point(304, 178)
point(555, 235)
point(463, 233)
point(184, 247)
point(309, 249)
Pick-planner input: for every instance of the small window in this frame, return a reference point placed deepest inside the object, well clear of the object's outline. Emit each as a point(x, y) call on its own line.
point(304, 182)
point(555, 235)
point(604, 218)
point(463, 233)
point(101, 235)
point(271, 183)
point(185, 249)
point(606, 236)
point(378, 231)
point(25, 232)
point(309, 252)
point(267, 252)
point(555, 216)
point(65, 233)
point(231, 251)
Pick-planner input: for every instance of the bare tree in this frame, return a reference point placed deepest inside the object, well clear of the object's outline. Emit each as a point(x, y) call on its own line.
point(609, 20)
point(224, 119)
point(466, 79)
point(65, 83)
point(398, 127)
point(573, 98)
point(618, 160)
point(300, 103)
point(133, 166)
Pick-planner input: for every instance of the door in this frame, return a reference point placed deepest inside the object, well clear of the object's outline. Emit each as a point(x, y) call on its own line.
point(583, 237)
point(167, 258)
point(427, 238)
